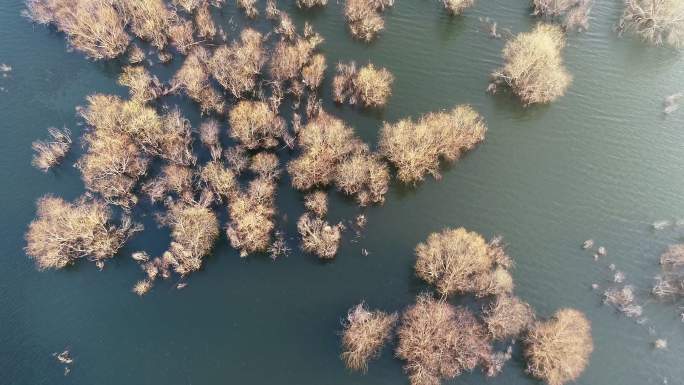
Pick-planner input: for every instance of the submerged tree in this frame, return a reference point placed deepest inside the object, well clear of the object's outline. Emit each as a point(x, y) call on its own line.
point(318, 236)
point(456, 7)
point(65, 232)
point(415, 148)
point(311, 3)
point(150, 20)
point(194, 230)
point(93, 27)
point(507, 317)
point(142, 86)
point(364, 334)
point(558, 350)
point(368, 86)
point(193, 78)
point(251, 217)
point(50, 153)
point(363, 17)
point(438, 340)
point(236, 67)
point(255, 125)
point(658, 22)
point(572, 14)
point(533, 66)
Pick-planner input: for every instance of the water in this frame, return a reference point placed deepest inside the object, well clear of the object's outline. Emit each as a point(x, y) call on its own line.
point(601, 163)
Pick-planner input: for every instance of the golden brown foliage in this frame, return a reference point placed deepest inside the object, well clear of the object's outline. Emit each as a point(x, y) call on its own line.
point(312, 73)
point(236, 67)
point(255, 125)
point(507, 317)
point(318, 236)
point(194, 229)
point(64, 232)
point(456, 7)
point(533, 66)
point(142, 86)
point(364, 334)
point(458, 261)
point(50, 153)
point(251, 217)
point(438, 340)
point(415, 148)
point(317, 203)
point(558, 350)
point(363, 17)
point(93, 27)
point(368, 86)
point(658, 22)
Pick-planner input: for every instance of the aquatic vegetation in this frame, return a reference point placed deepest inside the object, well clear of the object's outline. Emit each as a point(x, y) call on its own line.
point(368, 86)
point(364, 176)
point(507, 317)
point(93, 27)
point(255, 125)
point(440, 341)
point(456, 7)
point(49, 153)
point(142, 287)
point(251, 217)
point(142, 86)
point(236, 67)
point(237, 158)
point(219, 180)
point(364, 334)
point(558, 350)
point(194, 230)
point(65, 232)
point(623, 300)
point(288, 58)
point(136, 55)
point(415, 148)
point(317, 203)
point(175, 179)
point(658, 22)
point(533, 66)
point(572, 14)
point(318, 236)
point(673, 256)
point(193, 79)
point(363, 17)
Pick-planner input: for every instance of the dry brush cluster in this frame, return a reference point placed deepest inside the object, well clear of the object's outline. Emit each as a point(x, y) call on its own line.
point(670, 282)
point(456, 7)
point(658, 22)
point(367, 86)
point(364, 17)
point(572, 14)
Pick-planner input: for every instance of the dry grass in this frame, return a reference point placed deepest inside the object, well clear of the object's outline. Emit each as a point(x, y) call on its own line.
point(194, 230)
point(415, 148)
point(93, 27)
point(368, 86)
point(558, 350)
point(193, 78)
point(236, 67)
point(318, 236)
point(255, 125)
point(142, 86)
point(507, 317)
point(64, 232)
point(658, 22)
point(49, 153)
point(317, 203)
point(573, 14)
point(456, 7)
point(251, 217)
point(364, 334)
point(363, 17)
point(438, 340)
point(458, 261)
point(533, 66)
point(312, 73)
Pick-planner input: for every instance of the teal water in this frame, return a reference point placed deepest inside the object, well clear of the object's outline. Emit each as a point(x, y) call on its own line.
point(602, 163)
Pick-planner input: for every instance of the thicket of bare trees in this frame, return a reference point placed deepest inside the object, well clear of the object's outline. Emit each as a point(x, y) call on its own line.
point(572, 14)
point(251, 217)
point(64, 232)
point(507, 317)
point(368, 86)
point(318, 236)
point(142, 86)
point(193, 79)
point(658, 22)
point(255, 125)
point(364, 334)
point(363, 17)
point(415, 148)
point(236, 67)
point(194, 230)
point(458, 261)
point(558, 350)
point(49, 153)
point(533, 66)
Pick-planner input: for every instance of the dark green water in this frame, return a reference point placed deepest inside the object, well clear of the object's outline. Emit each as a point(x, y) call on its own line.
point(602, 163)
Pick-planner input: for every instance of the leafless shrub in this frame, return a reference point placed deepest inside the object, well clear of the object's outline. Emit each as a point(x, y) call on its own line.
point(175, 144)
point(363, 17)
point(669, 285)
point(572, 14)
point(658, 22)
point(188, 5)
point(135, 54)
point(318, 236)
point(93, 27)
point(142, 287)
point(194, 229)
point(558, 350)
point(51, 152)
point(272, 11)
point(193, 78)
point(623, 300)
point(317, 203)
point(673, 256)
point(251, 217)
point(533, 66)
point(460, 261)
point(219, 180)
point(142, 86)
point(493, 365)
point(181, 32)
point(438, 340)
point(456, 7)
point(237, 159)
point(286, 27)
point(209, 136)
point(265, 165)
point(289, 58)
point(236, 67)
point(368, 86)
point(249, 7)
point(364, 334)
point(507, 317)
point(204, 23)
point(415, 148)
point(364, 176)
point(64, 232)
point(173, 179)
point(149, 19)
point(311, 3)
point(312, 73)
point(255, 125)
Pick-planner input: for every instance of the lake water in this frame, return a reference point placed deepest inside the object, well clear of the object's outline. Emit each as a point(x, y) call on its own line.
point(602, 162)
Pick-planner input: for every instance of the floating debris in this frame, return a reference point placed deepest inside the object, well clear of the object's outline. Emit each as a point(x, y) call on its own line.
point(602, 251)
point(671, 103)
point(364, 252)
point(611, 267)
point(619, 277)
point(64, 357)
point(661, 225)
point(595, 286)
point(66, 371)
point(660, 343)
point(361, 221)
point(181, 285)
point(588, 244)
point(99, 264)
point(623, 300)
point(5, 68)
point(140, 256)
